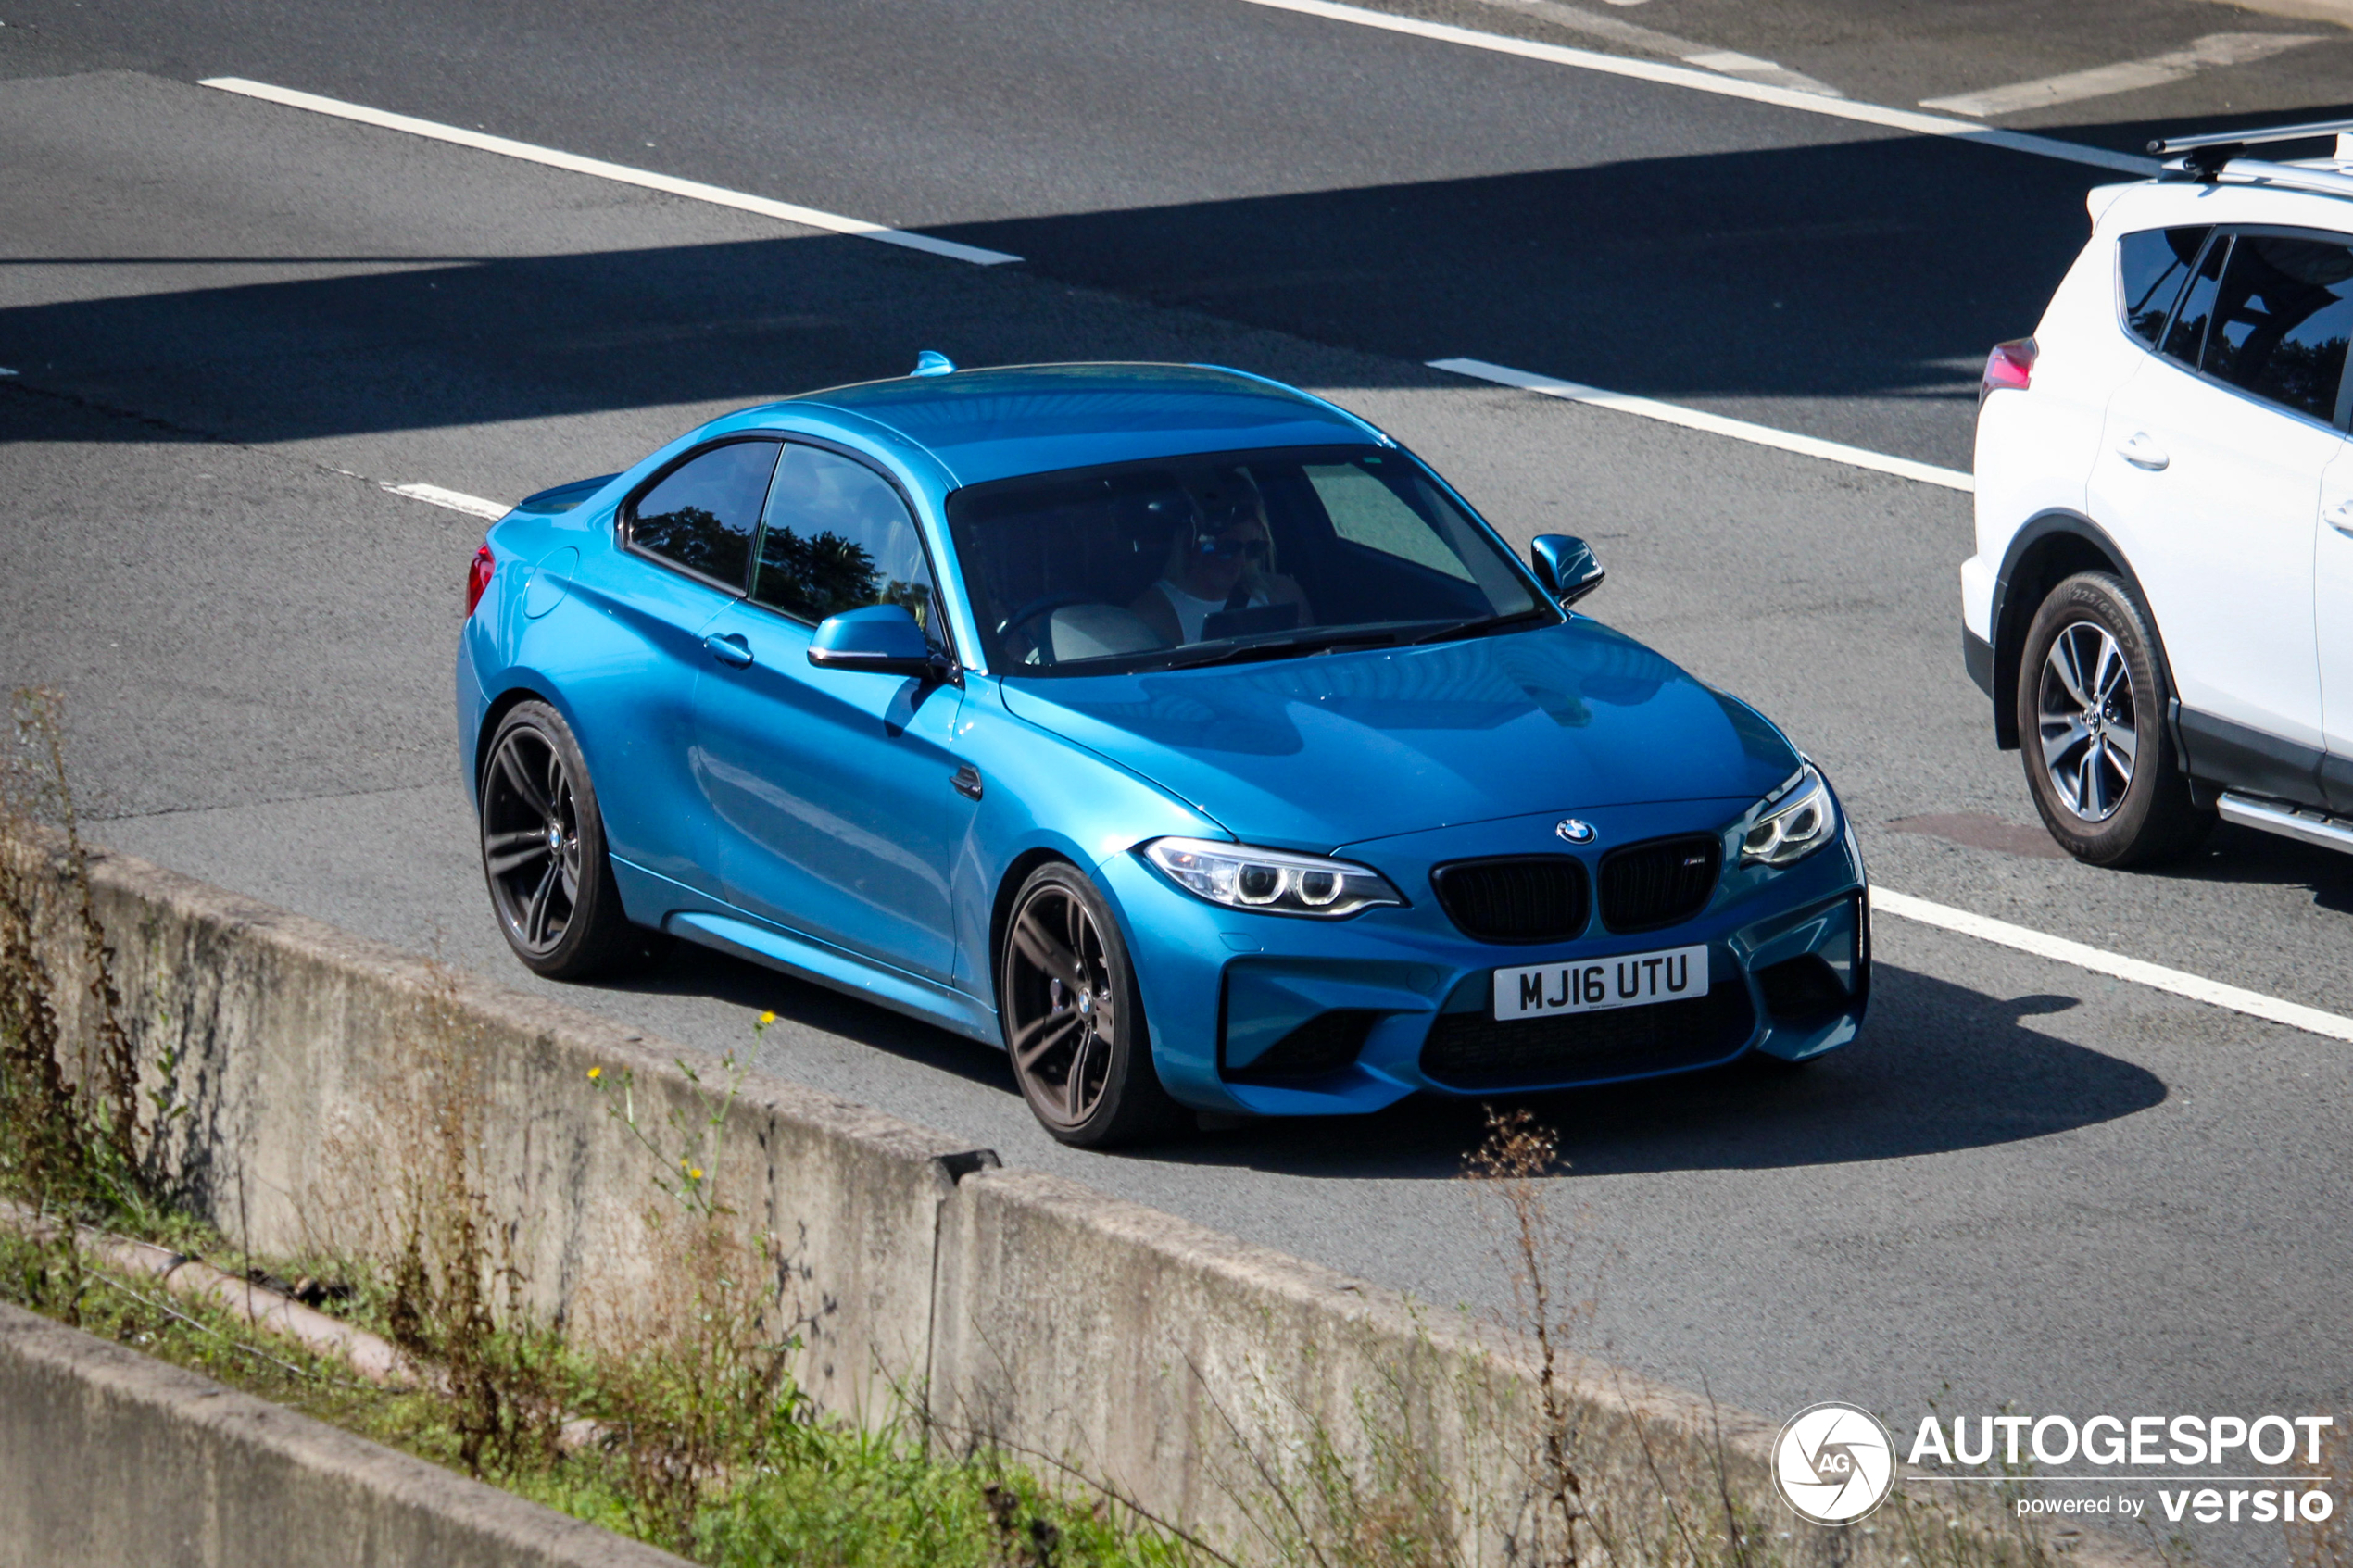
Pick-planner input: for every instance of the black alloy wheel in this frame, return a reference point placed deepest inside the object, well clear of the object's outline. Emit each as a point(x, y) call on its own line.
point(543, 848)
point(2092, 699)
point(1074, 1019)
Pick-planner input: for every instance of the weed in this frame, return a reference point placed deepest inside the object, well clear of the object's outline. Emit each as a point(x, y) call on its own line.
point(701, 1370)
point(1515, 1156)
point(444, 1278)
point(70, 1130)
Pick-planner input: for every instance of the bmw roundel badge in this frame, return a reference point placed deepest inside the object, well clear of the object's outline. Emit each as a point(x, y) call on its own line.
point(1576, 829)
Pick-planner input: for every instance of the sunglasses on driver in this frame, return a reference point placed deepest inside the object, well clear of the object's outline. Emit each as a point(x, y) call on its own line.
point(1218, 547)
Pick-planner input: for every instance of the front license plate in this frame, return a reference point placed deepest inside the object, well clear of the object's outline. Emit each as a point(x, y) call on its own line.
point(1630, 980)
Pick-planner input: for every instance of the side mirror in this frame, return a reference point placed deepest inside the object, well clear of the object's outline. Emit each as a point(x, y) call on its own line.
point(1564, 565)
point(879, 640)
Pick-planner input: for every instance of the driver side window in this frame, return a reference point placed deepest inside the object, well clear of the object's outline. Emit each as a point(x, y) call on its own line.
point(836, 537)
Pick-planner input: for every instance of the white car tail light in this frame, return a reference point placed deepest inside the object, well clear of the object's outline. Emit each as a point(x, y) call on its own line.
point(2010, 365)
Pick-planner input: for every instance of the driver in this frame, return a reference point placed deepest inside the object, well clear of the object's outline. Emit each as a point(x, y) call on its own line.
point(1224, 560)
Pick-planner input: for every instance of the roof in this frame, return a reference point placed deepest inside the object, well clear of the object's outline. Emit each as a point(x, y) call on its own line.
point(1035, 419)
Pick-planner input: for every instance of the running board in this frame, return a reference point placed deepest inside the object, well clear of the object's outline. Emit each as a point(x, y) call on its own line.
point(2300, 822)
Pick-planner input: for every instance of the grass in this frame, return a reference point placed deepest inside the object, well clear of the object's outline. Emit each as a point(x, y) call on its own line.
point(802, 1490)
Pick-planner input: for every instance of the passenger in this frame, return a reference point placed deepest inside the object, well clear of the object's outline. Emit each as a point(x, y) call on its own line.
point(1222, 561)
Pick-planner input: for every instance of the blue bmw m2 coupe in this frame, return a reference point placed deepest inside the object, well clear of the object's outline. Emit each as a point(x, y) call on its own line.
point(1175, 730)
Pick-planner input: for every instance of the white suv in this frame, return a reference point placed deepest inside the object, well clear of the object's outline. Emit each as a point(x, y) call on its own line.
point(2161, 601)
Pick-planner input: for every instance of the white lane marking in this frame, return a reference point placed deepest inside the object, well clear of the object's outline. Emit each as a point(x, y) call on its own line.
point(694, 190)
point(6, 371)
point(1732, 62)
point(455, 501)
point(1715, 424)
point(1723, 86)
point(2254, 1004)
point(2128, 76)
point(1656, 43)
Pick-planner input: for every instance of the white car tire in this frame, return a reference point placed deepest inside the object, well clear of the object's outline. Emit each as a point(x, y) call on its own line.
point(2092, 702)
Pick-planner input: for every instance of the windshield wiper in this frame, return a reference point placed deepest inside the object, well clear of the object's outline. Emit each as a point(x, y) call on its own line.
point(1243, 653)
point(1480, 626)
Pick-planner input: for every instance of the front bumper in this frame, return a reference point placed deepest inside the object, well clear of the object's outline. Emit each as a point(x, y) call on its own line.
point(1356, 1014)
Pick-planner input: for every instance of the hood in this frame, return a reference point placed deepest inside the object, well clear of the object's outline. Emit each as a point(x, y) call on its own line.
point(1325, 750)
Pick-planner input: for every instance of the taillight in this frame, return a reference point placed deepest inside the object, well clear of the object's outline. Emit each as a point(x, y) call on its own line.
point(478, 575)
point(2010, 364)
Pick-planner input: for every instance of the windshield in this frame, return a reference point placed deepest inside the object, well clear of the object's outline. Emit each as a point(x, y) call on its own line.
point(1224, 557)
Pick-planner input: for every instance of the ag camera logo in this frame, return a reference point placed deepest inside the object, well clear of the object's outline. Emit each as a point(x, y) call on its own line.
point(1834, 1462)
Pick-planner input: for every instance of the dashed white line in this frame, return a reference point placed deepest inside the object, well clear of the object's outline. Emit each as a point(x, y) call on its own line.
point(1732, 62)
point(455, 501)
point(2214, 993)
point(2128, 76)
point(1715, 424)
point(1723, 86)
point(1654, 41)
point(693, 190)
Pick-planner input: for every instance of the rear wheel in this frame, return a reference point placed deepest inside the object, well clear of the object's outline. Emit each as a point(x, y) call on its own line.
point(2092, 700)
point(1074, 1017)
point(543, 850)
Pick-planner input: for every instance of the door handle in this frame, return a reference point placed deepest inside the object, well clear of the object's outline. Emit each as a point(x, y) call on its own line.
point(967, 782)
point(730, 648)
point(2142, 452)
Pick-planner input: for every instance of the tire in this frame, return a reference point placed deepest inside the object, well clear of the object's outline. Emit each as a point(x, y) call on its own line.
point(543, 851)
point(2092, 702)
point(1074, 1016)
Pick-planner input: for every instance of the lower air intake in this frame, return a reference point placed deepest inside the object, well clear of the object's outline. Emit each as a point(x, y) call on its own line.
point(1471, 1050)
point(1326, 1043)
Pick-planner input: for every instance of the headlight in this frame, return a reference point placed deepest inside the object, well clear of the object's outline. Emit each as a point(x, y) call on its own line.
point(1273, 882)
point(1797, 819)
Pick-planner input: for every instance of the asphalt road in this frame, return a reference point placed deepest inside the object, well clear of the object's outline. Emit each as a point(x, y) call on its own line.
point(233, 322)
point(1415, 200)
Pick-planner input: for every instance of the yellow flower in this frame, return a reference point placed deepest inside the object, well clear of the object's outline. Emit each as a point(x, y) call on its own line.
point(595, 1073)
point(767, 1018)
point(696, 1172)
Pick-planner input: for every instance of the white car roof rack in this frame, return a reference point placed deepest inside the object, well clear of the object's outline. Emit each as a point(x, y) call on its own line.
point(2205, 158)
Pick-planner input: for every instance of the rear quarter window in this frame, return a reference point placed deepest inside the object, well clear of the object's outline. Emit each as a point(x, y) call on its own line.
point(703, 513)
point(2150, 268)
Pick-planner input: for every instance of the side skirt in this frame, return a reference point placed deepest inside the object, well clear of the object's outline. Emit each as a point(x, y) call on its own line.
point(654, 899)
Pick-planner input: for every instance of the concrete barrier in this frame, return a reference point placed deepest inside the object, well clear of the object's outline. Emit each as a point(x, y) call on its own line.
point(109, 1459)
point(303, 1051)
point(1192, 1373)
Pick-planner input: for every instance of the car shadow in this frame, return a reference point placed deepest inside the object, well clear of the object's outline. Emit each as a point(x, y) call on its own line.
point(2237, 856)
point(1939, 1069)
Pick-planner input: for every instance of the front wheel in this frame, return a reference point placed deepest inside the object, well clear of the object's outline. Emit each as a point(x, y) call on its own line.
point(1074, 1016)
point(543, 849)
point(2092, 701)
